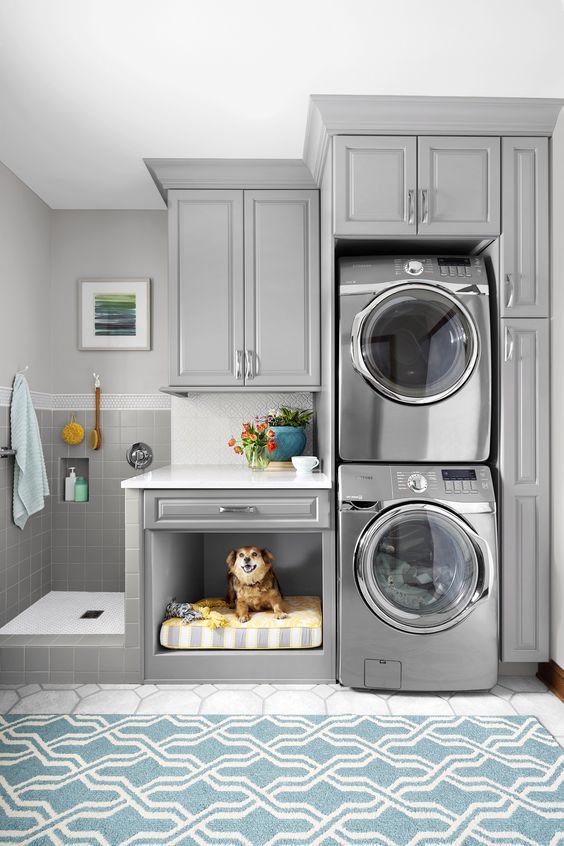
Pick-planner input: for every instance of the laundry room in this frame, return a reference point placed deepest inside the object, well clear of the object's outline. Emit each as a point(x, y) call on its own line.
point(281, 354)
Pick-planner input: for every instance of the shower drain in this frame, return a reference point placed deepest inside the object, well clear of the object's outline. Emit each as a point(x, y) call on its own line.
point(91, 615)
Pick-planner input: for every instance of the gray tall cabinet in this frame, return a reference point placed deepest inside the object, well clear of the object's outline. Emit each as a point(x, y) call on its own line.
point(474, 174)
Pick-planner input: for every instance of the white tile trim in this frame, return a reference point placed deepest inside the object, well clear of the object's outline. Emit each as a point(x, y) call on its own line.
point(75, 402)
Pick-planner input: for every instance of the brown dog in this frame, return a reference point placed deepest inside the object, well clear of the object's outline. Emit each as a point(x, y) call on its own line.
point(251, 583)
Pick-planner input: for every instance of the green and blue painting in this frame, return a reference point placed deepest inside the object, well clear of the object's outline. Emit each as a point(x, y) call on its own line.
point(115, 314)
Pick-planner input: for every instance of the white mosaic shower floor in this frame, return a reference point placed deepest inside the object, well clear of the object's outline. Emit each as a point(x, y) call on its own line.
point(59, 612)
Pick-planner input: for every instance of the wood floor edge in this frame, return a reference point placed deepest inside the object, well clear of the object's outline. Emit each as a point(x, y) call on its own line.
point(553, 676)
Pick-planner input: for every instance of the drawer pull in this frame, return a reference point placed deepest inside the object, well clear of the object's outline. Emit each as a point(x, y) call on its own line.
point(238, 509)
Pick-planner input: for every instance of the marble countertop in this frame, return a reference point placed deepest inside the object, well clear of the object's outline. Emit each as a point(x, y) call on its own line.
point(226, 476)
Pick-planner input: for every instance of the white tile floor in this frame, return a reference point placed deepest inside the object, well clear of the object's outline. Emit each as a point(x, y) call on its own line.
point(513, 695)
point(59, 612)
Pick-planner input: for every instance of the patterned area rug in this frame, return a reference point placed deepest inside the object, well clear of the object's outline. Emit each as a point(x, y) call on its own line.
point(250, 781)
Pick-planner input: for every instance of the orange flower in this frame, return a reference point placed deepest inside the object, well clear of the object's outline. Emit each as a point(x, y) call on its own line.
point(231, 442)
point(271, 434)
point(252, 436)
point(271, 446)
point(244, 434)
point(246, 425)
point(261, 427)
point(238, 450)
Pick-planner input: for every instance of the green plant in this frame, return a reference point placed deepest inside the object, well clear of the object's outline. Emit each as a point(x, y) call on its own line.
point(284, 416)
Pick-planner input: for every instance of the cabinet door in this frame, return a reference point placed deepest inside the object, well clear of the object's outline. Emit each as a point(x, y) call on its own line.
point(524, 489)
point(375, 185)
point(459, 185)
point(206, 288)
point(525, 249)
point(282, 288)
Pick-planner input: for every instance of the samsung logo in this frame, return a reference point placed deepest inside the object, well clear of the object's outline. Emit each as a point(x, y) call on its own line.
point(368, 478)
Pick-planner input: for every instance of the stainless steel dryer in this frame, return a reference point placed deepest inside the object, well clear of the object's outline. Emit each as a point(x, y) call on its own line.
point(418, 577)
point(414, 359)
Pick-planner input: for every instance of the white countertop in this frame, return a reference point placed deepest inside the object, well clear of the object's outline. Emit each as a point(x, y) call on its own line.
point(226, 476)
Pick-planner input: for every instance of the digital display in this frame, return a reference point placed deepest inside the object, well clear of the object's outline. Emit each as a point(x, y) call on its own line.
point(454, 262)
point(459, 475)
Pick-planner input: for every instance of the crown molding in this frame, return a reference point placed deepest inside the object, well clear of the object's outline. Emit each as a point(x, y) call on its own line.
point(338, 114)
point(169, 174)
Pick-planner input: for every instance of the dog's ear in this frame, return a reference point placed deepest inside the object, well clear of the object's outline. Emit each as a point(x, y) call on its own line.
point(231, 558)
point(267, 556)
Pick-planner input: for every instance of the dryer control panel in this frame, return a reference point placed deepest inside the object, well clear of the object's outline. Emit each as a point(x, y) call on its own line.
point(374, 270)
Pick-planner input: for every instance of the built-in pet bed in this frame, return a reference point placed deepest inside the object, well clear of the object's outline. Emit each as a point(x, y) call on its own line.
point(220, 629)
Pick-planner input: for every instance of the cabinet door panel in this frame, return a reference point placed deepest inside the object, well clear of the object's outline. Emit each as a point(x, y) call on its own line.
point(524, 490)
point(459, 183)
point(525, 240)
point(206, 293)
point(282, 288)
point(375, 185)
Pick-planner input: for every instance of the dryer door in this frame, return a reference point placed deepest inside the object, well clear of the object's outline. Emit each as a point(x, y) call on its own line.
point(420, 568)
point(415, 344)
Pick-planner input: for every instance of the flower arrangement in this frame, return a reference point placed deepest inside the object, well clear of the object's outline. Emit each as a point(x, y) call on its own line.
point(256, 442)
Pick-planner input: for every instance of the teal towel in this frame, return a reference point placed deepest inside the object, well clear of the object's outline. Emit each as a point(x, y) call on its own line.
point(30, 477)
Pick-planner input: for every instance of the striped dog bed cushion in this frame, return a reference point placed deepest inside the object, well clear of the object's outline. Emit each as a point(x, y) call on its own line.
point(302, 629)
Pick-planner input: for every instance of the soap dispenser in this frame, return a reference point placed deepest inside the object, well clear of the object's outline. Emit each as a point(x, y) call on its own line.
point(70, 482)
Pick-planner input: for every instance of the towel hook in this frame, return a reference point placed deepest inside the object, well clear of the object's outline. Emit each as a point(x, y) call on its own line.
point(96, 380)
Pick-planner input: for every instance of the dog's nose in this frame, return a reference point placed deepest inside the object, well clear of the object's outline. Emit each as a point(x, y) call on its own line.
point(247, 560)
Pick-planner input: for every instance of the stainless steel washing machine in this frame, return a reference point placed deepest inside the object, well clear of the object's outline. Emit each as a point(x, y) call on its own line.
point(418, 577)
point(414, 359)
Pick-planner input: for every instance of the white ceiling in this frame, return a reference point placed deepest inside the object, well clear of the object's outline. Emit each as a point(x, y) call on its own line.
point(88, 89)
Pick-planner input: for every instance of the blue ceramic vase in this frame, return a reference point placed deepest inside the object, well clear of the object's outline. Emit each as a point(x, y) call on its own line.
point(290, 440)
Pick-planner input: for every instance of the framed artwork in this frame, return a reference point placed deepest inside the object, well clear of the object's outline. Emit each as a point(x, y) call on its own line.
point(114, 314)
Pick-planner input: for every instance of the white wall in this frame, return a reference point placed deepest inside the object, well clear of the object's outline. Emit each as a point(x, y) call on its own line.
point(25, 266)
point(108, 243)
point(557, 412)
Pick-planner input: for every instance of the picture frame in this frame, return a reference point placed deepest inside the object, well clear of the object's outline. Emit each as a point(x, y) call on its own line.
point(114, 314)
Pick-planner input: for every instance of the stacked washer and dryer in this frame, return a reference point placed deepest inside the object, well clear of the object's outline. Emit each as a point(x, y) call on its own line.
point(418, 570)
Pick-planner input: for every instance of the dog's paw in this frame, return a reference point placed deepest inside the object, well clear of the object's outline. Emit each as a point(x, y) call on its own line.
point(281, 615)
point(244, 618)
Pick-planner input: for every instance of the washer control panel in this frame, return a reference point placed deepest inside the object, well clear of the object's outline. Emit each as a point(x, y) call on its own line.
point(466, 481)
point(376, 485)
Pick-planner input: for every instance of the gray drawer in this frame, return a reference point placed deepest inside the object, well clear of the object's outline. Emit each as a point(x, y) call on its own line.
point(194, 510)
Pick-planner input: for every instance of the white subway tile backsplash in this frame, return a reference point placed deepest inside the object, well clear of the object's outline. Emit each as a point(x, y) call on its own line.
point(203, 423)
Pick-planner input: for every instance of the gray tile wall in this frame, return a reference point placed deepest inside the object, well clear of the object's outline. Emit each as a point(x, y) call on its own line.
point(73, 546)
point(88, 538)
point(25, 555)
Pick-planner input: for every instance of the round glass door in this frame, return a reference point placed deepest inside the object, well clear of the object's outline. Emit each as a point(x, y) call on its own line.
point(415, 344)
point(417, 568)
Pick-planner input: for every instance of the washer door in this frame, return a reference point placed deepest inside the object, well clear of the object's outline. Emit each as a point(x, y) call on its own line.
point(415, 344)
point(419, 568)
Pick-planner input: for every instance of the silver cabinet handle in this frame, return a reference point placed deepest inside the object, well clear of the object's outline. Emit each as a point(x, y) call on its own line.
point(237, 509)
point(509, 344)
point(410, 205)
point(238, 364)
point(249, 369)
point(509, 290)
point(424, 206)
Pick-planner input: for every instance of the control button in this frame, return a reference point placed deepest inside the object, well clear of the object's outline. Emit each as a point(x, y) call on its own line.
point(458, 487)
point(443, 271)
point(466, 486)
point(417, 482)
point(414, 267)
point(468, 272)
point(452, 271)
point(474, 486)
point(449, 487)
point(460, 271)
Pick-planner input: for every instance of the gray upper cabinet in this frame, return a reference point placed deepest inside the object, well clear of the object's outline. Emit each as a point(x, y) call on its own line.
point(404, 185)
point(459, 186)
point(282, 288)
point(525, 238)
point(375, 185)
point(244, 288)
point(524, 468)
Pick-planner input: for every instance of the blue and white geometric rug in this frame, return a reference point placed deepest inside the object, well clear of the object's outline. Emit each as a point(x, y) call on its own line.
point(249, 781)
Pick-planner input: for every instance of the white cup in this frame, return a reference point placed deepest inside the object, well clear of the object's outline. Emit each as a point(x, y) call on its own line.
point(305, 463)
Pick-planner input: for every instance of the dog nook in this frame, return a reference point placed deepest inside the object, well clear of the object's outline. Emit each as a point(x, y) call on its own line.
point(191, 566)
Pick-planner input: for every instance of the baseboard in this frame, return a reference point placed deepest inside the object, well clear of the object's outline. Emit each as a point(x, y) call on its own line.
point(553, 676)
